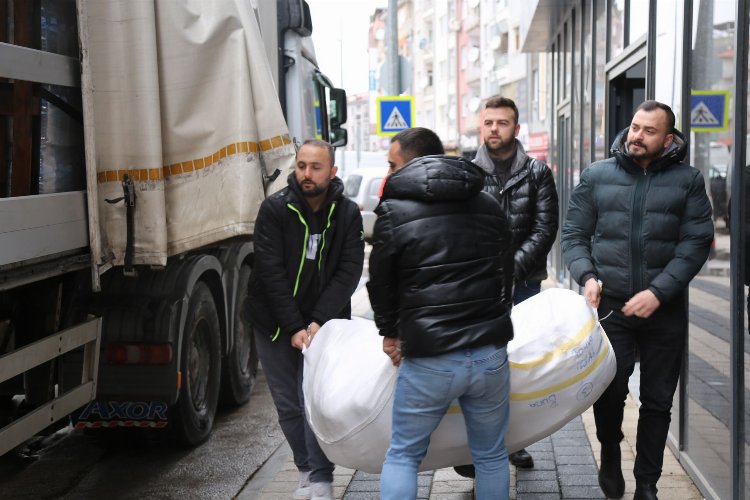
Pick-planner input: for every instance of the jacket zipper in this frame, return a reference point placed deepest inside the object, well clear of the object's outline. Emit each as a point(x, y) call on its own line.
point(301, 262)
point(636, 246)
point(323, 238)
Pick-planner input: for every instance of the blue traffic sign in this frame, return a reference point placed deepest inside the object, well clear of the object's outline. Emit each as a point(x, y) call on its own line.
point(395, 113)
point(709, 110)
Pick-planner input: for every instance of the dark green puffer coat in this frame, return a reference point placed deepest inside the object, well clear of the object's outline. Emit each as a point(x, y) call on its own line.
point(638, 229)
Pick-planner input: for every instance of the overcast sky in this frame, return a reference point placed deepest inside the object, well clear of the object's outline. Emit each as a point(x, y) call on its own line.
point(340, 29)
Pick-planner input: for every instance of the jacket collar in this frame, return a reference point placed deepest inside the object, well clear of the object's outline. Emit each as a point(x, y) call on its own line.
point(484, 160)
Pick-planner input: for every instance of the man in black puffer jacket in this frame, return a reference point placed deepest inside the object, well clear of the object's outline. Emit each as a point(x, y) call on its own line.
point(437, 288)
point(638, 229)
point(309, 251)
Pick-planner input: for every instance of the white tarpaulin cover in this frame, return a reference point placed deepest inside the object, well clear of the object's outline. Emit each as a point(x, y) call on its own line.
point(560, 363)
point(181, 98)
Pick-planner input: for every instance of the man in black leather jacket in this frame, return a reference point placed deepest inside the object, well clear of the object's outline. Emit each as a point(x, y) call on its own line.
point(525, 188)
point(309, 252)
point(436, 288)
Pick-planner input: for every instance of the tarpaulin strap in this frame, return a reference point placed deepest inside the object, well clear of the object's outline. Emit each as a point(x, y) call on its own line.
point(128, 197)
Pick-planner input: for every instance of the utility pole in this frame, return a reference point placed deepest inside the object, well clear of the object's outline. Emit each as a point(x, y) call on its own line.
point(391, 39)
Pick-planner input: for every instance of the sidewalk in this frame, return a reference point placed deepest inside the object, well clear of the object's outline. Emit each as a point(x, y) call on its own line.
point(565, 467)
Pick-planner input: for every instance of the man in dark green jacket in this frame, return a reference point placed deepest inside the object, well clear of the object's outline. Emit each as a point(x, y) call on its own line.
point(309, 251)
point(638, 229)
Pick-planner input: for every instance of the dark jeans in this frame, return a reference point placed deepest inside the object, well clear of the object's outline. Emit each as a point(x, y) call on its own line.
point(524, 290)
point(660, 340)
point(282, 366)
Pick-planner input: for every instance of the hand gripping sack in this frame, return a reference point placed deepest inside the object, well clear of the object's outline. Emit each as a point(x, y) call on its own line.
point(560, 363)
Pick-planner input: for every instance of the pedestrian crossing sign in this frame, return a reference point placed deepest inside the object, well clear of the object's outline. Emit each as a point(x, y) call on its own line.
point(395, 113)
point(709, 110)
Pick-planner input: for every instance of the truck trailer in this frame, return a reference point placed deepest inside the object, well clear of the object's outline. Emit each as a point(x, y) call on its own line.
point(137, 141)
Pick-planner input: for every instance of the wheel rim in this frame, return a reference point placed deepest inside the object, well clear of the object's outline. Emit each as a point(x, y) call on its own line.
point(200, 364)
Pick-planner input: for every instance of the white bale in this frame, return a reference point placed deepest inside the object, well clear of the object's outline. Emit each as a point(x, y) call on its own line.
point(560, 363)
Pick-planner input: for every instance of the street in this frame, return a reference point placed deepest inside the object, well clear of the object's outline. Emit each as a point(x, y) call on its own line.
point(114, 465)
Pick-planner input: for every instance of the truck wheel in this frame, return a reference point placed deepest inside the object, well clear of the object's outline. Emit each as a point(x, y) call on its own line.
point(241, 364)
point(201, 369)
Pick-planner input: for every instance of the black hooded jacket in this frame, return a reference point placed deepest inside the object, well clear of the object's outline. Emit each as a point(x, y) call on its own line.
point(637, 229)
point(439, 250)
point(281, 238)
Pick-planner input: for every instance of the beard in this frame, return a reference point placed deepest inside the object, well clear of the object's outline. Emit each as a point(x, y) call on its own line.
point(500, 145)
point(312, 192)
point(644, 153)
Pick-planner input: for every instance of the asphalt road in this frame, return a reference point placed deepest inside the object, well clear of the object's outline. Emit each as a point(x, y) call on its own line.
point(73, 465)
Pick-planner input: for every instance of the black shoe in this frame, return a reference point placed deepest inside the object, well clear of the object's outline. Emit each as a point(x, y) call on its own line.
point(521, 459)
point(645, 491)
point(610, 472)
point(465, 470)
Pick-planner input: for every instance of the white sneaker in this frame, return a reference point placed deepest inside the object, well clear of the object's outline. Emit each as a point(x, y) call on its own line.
point(303, 491)
point(321, 491)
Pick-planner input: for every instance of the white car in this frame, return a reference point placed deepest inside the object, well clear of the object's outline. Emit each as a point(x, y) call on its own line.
point(363, 187)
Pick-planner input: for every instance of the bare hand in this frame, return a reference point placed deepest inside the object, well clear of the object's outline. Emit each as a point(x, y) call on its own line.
point(593, 292)
point(312, 329)
point(642, 304)
point(392, 347)
point(301, 339)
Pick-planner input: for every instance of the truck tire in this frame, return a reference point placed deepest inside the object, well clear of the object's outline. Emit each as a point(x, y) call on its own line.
point(200, 363)
point(241, 364)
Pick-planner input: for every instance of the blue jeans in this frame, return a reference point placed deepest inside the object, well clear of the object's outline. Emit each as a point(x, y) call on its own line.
point(525, 289)
point(480, 379)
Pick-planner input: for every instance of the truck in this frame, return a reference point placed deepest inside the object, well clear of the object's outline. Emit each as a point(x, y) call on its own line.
point(137, 141)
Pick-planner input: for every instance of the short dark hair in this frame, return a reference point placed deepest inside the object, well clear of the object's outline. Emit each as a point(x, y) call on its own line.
point(653, 106)
point(498, 101)
point(319, 143)
point(417, 142)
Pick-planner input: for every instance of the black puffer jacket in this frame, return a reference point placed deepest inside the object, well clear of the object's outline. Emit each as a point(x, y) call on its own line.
point(280, 242)
point(638, 229)
point(436, 267)
point(529, 199)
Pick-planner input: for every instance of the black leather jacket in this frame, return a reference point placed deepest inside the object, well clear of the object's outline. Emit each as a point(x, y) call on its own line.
point(280, 241)
point(529, 199)
point(436, 267)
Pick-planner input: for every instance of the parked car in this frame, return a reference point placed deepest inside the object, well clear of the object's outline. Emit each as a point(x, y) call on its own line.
point(363, 187)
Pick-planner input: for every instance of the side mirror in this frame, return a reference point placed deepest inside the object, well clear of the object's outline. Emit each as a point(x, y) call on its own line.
point(339, 137)
point(337, 108)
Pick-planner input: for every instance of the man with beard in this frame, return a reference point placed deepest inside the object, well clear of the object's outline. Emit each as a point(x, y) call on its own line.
point(638, 229)
point(526, 190)
point(309, 251)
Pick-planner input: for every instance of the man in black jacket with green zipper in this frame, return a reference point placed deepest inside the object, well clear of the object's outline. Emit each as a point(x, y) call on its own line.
point(309, 251)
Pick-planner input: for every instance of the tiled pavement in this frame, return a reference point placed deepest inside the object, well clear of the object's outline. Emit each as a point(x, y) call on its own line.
point(565, 467)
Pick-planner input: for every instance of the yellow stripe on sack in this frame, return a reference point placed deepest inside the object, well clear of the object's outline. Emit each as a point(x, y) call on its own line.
point(524, 396)
point(582, 333)
point(187, 166)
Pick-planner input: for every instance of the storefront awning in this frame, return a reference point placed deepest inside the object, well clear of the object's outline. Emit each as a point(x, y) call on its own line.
point(539, 22)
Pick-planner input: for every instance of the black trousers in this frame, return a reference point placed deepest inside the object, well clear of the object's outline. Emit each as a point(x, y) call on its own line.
point(660, 342)
point(282, 365)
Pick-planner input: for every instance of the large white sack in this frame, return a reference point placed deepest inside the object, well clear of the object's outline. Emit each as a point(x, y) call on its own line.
point(561, 362)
